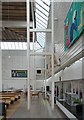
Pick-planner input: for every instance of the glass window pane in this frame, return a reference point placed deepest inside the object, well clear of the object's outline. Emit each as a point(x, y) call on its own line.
point(2, 45)
point(42, 20)
point(42, 15)
point(42, 4)
point(41, 9)
point(24, 45)
point(41, 24)
point(12, 45)
point(37, 24)
point(41, 37)
point(9, 45)
point(5, 45)
point(45, 21)
point(16, 45)
point(46, 2)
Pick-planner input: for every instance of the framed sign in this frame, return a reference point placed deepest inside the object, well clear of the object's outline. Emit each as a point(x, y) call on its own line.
point(19, 73)
point(73, 24)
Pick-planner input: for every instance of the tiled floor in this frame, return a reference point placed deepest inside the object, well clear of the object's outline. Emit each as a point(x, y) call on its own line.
point(40, 108)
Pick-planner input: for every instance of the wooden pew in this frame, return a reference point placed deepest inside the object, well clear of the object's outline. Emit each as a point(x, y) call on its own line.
point(7, 100)
point(15, 94)
point(12, 97)
point(35, 94)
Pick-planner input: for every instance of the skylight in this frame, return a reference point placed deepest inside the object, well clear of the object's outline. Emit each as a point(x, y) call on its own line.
point(41, 14)
point(18, 46)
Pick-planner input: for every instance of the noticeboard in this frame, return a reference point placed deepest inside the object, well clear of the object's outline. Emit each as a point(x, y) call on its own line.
point(19, 73)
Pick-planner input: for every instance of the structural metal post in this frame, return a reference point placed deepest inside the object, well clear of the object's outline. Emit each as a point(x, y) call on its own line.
point(52, 38)
point(28, 53)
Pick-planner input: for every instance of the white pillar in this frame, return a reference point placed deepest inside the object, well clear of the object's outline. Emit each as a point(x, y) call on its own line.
point(78, 88)
point(45, 76)
point(83, 90)
point(33, 59)
point(28, 52)
point(0, 68)
point(52, 21)
point(71, 87)
point(0, 48)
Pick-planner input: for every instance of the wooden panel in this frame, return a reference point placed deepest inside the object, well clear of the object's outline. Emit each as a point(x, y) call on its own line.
point(15, 35)
point(15, 11)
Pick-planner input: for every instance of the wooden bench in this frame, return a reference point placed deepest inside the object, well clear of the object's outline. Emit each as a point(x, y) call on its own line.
point(15, 94)
point(35, 94)
point(12, 97)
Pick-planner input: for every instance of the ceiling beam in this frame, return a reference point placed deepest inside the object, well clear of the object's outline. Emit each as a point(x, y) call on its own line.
point(40, 54)
point(40, 30)
point(16, 24)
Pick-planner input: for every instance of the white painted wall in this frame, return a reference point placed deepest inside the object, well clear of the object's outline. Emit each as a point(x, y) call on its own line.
point(15, 60)
point(60, 12)
point(0, 70)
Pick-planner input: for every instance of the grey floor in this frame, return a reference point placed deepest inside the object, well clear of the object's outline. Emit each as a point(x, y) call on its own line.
point(40, 108)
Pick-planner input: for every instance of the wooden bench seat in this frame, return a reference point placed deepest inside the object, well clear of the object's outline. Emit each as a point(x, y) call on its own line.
point(35, 94)
point(16, 95)
point(7, 100)
point(12, 97)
